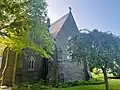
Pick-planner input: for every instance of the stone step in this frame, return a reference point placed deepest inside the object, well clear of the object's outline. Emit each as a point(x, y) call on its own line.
point(5, 88)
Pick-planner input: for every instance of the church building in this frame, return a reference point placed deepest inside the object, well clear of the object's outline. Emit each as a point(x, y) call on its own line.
point(61, 31)
point(31, 67)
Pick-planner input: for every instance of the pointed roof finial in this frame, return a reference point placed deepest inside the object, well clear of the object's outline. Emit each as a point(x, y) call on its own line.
point(70, 8)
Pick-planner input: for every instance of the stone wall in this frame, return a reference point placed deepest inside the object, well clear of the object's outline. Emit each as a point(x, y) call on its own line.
point(68, 71)
point(71, 71)
point(23, 74)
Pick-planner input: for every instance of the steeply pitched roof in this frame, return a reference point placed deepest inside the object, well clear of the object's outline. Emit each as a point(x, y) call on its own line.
point(56, 26)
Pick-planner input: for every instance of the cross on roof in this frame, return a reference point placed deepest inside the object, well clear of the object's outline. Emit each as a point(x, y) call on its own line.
point(70, 9)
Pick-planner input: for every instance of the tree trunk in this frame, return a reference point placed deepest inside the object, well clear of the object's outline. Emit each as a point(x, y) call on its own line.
point(105, 79)
point(14, 71)
point(87, 77)
point(6, 64)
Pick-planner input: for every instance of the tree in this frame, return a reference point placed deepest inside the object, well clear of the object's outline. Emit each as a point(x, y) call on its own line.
point(116, 70)
point(105, 50)
point(23, 25)
point(39, 34)
point(14, 24)
point(13, 17)
point(102, 47)
point(78, 49)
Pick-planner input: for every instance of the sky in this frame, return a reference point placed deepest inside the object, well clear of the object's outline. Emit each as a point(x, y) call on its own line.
point(103, 15)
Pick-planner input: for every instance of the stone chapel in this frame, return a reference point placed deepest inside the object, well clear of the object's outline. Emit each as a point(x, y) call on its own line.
point(61, 31)
point(31, 67)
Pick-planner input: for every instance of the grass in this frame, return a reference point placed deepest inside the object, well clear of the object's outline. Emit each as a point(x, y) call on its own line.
point(114, 85)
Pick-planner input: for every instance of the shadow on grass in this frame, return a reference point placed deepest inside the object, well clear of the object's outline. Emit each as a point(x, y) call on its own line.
point(114, 77)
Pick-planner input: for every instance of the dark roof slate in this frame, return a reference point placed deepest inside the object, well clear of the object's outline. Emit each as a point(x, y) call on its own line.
point(56, 26)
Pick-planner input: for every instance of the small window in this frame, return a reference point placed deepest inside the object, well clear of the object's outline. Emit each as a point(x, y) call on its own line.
point(31, 63)
point(61, 77)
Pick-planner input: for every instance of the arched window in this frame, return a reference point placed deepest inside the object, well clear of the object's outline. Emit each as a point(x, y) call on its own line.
point(31, 63)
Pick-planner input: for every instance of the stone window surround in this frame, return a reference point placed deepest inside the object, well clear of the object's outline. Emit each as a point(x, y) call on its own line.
point(31, 63)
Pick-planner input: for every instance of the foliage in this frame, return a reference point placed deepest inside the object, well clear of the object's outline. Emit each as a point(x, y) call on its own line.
point(95, 71)
point(40, 34)
point(105, 49)
point(79, 48)
point(13, 17)
point(15, 87)
point(102, 50)
point(114, 85)
point(81, 82)
point(41, 85)
point(13, 23)
point(23, 25)
point(97, 46)
point(30, 86)
point(116, 71)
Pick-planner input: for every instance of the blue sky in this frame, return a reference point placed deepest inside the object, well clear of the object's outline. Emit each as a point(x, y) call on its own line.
point(103, 15)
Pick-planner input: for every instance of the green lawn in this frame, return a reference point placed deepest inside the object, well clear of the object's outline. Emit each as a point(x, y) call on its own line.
point(114, 85)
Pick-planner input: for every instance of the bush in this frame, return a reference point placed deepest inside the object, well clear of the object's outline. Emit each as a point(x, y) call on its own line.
point(95, 71)
point(30, 86)
point(15, 87)
point(81, 82)
point(41, 85)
